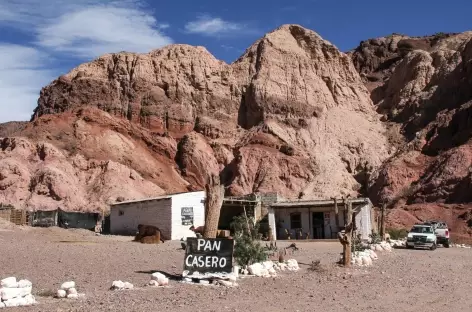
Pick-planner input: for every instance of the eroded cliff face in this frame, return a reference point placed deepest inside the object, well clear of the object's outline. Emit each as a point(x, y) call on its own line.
point(424, 86)
point(290, 115)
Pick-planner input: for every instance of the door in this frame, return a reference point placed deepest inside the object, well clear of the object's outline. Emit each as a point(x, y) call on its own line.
point(318, 225)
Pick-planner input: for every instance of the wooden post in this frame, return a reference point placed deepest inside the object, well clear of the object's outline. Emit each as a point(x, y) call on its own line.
point(336, 212)
point(214, 200)
point(382, 222)
point(348, 238)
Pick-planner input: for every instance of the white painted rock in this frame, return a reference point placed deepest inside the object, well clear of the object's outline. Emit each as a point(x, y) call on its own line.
point(61, 293)
point(204, 282)
point(15, 302)
point(30, 299)
point(10, 293)
point(358, 260)
point(272, 272)
point(373, 255)
point(160, 278)
point(267, 265)
point(24, 283)
point(128, 285)
point(67, 285)
point(292, 265)
point(255, 269)
point(226, 283)
point(367, 261)
point(72, 296)
point(118, 285)
point(236, 270)
point(155, 283)
point(9, 282)
point(72, 291)
point(232, 278)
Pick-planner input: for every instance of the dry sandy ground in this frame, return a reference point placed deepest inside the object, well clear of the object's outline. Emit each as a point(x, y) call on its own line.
point(404, 280)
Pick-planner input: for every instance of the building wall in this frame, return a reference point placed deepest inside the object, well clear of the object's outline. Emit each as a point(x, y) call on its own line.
point(125, 218)
point(362, 219)
point(196, 200)
point(283, 214)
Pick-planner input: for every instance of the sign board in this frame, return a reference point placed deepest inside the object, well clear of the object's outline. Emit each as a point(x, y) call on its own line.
point(187, 215)
point(209, 255)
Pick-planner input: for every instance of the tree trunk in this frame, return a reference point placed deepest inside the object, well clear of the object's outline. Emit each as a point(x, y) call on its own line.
point(347, 239)
point(382, 222)
point(214, 200)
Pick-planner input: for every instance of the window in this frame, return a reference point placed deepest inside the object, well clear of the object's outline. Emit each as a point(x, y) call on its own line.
point(295, 220)
point(121, 212)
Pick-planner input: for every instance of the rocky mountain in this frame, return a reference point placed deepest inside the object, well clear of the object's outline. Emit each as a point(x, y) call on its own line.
point(391, 119)
point(423, 88)
point(290, 115)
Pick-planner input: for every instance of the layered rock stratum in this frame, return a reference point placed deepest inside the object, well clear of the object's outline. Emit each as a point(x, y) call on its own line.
point(423, 88)
point(290, 115)
point(293, 114)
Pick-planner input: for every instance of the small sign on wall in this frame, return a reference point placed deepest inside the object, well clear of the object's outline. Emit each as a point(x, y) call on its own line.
point(187, 215)
point(209, 255)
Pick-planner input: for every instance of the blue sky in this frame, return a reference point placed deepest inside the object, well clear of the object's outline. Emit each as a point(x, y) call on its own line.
point(42, 39)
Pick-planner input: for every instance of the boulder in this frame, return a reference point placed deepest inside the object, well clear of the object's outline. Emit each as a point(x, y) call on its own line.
point(72, 291)
point(24, 283)
point(72, 296)
point(117, 285)
point(10, 293)
point(128, 285)
point(292, 265)
point(61, 293)
point(160, 278)
point(9, 282)
point(255, 269)
point(67, 285)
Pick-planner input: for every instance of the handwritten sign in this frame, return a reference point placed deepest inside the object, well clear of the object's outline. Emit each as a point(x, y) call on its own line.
point(187, 215)
point(205, 255)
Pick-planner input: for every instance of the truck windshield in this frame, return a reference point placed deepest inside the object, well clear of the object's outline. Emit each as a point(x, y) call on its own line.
point(422, 229)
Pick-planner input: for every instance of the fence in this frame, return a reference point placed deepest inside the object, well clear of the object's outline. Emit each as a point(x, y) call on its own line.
point(9, 213)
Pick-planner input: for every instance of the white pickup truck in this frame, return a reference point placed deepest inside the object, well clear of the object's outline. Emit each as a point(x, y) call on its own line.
point(442, 232)
point(421, 236)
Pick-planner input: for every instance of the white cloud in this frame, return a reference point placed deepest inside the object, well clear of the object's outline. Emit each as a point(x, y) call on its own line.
point(83, 29)
point(92, 31)
point(22, 75)
point(215, 26)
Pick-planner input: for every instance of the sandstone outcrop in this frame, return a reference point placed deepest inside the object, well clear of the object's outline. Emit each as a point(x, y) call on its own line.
point(290, 115)
point(425, 87)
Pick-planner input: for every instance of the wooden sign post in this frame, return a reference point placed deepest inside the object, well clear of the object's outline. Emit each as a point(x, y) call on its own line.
point(209, 255)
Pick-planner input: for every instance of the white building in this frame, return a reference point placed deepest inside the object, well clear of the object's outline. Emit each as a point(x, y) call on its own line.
point(318, 218)
point(173, 214)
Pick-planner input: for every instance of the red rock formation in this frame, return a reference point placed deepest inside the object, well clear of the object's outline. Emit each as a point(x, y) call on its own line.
point(425, 86)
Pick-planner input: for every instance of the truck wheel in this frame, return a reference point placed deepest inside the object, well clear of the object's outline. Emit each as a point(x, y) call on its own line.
point(446, 245)
point(433, 247)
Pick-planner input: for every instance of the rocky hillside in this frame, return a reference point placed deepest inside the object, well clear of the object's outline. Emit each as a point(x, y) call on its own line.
point(423, 88)
point(290, 115)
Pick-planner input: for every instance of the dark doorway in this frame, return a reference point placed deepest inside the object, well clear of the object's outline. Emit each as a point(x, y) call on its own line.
point(318, 225)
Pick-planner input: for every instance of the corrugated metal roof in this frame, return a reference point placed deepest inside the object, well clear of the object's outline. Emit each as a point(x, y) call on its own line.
point(151, 198)
point(311, 203)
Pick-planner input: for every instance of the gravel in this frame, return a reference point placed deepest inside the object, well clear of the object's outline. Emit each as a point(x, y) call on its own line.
point(403, 280)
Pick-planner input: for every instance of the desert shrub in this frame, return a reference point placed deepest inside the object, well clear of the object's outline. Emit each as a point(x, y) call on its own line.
point(397, 233)
point(247, 249)
point(375, 238)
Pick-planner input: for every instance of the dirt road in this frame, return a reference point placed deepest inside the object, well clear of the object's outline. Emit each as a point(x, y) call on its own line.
point(404, 280)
